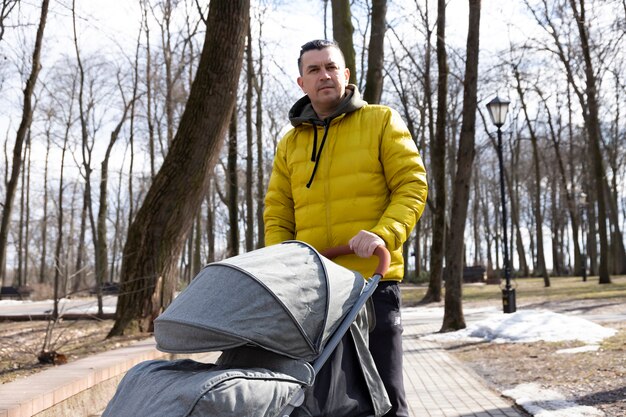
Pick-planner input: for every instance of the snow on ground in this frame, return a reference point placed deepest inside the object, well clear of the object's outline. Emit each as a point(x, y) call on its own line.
point(541, 402)
point(66, 306)
point(527, 326)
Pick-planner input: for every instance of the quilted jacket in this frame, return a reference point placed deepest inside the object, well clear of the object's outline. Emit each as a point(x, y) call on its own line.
point(357, 169)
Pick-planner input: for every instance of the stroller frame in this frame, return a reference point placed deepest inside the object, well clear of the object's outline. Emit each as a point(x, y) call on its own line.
point(384, 261)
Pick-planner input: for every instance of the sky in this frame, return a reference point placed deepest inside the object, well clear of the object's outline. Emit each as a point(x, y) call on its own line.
point(296, 22)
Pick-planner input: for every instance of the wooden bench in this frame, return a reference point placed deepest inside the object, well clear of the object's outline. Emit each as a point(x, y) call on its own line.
point(108, 288)
point(15, 293)
point(474, 273)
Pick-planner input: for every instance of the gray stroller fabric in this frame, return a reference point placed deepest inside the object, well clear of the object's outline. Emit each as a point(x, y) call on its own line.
point(271, 313)
point(348, 384)
point(286, 298)
point(185, 388)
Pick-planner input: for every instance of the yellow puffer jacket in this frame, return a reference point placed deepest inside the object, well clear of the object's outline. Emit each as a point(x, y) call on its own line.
point(357, 170)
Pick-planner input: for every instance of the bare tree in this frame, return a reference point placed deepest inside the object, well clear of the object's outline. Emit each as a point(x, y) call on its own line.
point(249, 229)
point(6, 8)
point(85, 107)
point(24, 222)
point(259, 82)
point(438, 163)
point(27, 117)
point(149, 99)
point(453, 312)
point(232, 189)
point(59, 262)
point(570, 198)
point(342, 32)
point(156, 236)
point(541, 261)
point(376, 53)
point(588, 99)
point(44, 216)
point(595, 136)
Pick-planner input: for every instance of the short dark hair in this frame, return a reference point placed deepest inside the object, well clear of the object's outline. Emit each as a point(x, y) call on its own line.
point(317, 44)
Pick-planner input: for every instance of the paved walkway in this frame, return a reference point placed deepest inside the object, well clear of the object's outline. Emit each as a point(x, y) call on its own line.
point(437, 384)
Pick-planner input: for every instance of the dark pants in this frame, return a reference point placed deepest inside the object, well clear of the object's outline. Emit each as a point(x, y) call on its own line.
point(386, 345)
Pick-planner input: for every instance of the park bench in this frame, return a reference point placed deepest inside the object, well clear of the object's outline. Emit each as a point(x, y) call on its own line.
point(473, 274)
point(108, 288)
point(15, 293)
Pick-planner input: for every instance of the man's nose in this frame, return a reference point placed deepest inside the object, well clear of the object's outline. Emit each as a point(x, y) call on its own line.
point(325, 75)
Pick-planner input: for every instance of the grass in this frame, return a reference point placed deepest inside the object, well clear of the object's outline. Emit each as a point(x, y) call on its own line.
point(532, 289)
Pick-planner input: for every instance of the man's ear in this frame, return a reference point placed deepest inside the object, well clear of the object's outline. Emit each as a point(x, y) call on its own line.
point(347, 75)
point(301, 84)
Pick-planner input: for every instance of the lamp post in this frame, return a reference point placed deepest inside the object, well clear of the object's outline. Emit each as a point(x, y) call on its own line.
point(497, 110)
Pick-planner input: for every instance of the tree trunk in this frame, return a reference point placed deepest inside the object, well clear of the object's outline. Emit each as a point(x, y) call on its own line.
point(260, 161)
point(232, 247)
point(342, 32)
point(20, 137)
point(156, 236)
point(249, 228)
point(113, 270)
point(168, 57)
point(570, 197)
point(512, 182)
point(618, 252)
point(592, 122)
point(453, 312)
point(101, 243)
point(149, 99)
point(44, 216)
point(536, 198)
point(196, 263)
point(376, 53)
point(438, 161)
point(58, 263)
point(210, 222)
point(22, 233)
point(84, 113)
point(478, 259)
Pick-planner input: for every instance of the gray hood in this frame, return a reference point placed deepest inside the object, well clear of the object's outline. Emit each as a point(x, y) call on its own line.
point(302, 111)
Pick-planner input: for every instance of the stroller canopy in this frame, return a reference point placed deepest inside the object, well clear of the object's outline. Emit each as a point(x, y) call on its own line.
point(286, 298)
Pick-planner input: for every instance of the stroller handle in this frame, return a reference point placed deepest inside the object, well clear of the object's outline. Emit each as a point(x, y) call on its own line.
point(384, 257)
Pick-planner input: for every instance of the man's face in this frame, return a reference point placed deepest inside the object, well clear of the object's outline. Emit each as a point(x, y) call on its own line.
point(324, 79)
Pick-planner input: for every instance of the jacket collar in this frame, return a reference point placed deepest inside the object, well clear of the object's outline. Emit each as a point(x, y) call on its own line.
point(302, 111)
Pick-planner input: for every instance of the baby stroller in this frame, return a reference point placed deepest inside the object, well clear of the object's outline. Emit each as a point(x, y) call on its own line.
point(292, 327)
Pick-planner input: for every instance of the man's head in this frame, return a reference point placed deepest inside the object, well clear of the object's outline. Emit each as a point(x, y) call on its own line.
point(323, 75)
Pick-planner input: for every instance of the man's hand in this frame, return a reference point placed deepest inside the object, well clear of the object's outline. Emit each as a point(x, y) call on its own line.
point(364, 243)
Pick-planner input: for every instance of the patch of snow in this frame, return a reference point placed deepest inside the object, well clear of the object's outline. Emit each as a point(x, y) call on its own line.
point(529, 326)
point(13, 302)
point(580, 349)
point(541, 402)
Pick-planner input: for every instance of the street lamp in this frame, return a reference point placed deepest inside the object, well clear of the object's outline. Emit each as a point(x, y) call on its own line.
point(497, 110)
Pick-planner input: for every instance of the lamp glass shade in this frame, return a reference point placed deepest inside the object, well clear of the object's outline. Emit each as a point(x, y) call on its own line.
point(498, 109)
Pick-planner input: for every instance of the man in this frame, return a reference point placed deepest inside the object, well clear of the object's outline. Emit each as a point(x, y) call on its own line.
point(349, 172)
